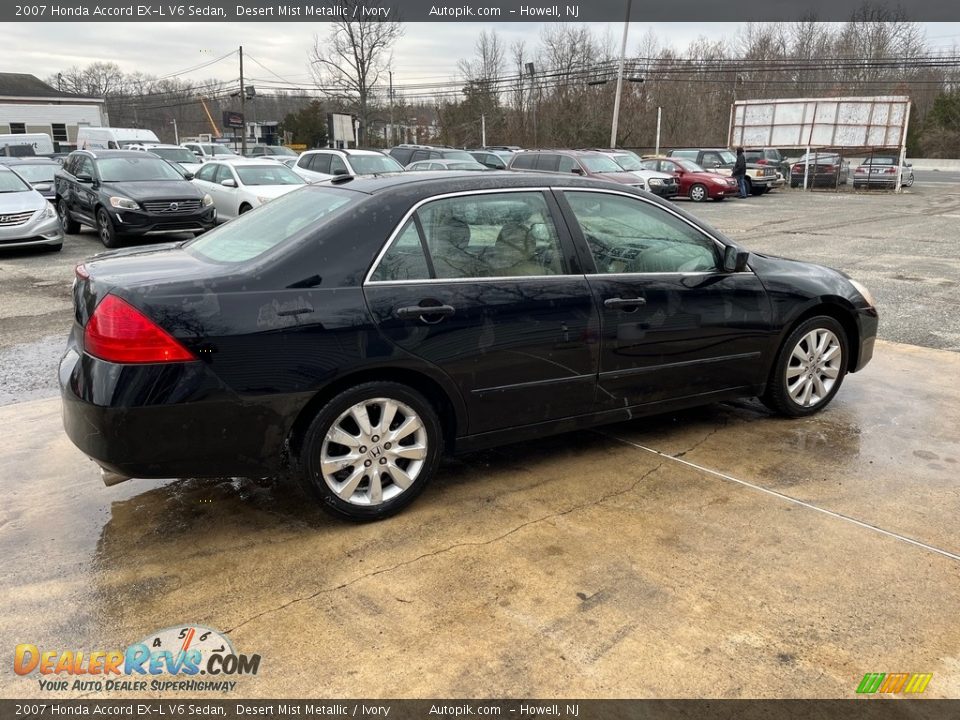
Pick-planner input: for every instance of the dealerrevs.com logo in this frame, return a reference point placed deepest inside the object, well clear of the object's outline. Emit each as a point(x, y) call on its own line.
point(186, 657)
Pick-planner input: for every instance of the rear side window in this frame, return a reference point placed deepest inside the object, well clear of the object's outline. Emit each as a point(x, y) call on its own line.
point(401, 155)
point(523, 161)
point(688, 154)
point(405, 260)
point(287, 218)
point(548, 161)
point(419, 155)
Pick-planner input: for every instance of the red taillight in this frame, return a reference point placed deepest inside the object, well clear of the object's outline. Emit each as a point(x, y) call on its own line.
point(762, 161)
point(118, 332)
point(797, 169)
point(829, 168)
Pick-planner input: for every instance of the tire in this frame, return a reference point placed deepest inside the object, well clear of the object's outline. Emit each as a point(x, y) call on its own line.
point(794, 184)
point(751, 190)
point(720, 197)
point(244, 208)
point(69, 225)
point(421, 450)
point(909, 181)
point(698, 193)
point(809, 368)
point(105, 230)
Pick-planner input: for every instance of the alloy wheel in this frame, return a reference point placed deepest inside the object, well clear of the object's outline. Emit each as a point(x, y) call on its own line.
point(814, 367)
point(373, 451)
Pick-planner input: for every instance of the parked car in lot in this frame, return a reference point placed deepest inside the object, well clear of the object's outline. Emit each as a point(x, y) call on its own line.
point(659, 183)
point(38, 171)
point(242, 185)
point(881, 171)
point(274, 151)
point(113, 138)
point(26, 218)
point(768, 156)
point(406, 154)
point(491, 159)
point(353, 333)
point(125, 193)
point(447, 165)
point(314, 165)
point(209, 151)
point(586, 163)
point(692, 180)
point(821, 169)
point(173, 154)
point(760, 178)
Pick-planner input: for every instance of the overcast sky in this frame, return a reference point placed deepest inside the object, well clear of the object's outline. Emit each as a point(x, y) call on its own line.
point(426, 51)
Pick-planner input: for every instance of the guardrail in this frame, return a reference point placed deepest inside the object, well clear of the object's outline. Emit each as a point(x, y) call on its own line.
point(934, 164)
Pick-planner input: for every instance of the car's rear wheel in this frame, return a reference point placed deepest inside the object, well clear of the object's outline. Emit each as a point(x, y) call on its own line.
point(809, 368)
point(68, 224)
point(246, 207)
point(105, 229)
point(698, 193)
point(371, 450)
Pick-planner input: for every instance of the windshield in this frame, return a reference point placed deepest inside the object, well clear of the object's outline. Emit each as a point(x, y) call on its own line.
point(217, 150)
point(11, 182)
point(879, 161)
point(689, 165)
point(136, 169)
point(457, 155)
point(728, 157)
point(280, 150)
point(628, 162)
point(289, 216)
point(36, 173)
point(273, 174)
point(600, 164)
point(371, 164)
point(177, 155)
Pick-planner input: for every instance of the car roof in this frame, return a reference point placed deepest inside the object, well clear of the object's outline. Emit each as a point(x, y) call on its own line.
point(436, 182)
point(100, 154)
point(565, 152)
point(343, 151)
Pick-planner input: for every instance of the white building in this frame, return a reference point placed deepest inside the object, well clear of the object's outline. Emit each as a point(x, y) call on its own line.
point(29, 105)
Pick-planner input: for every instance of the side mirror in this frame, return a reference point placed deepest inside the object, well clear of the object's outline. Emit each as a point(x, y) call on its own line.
point(85, 179)
point(734, 259)
point(340, 171)
point(198, 154)
point(577, 171)
point(229, 182)
point(188, 176)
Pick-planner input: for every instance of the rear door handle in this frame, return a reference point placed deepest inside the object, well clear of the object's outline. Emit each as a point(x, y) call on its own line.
point(417, 311)
point(618, 302)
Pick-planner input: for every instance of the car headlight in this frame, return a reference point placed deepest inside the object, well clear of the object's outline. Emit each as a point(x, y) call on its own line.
point(262, 199)
point(124, 202)
point(207, 200)
point(656, 181)
point(48, 212)
point(867, 295)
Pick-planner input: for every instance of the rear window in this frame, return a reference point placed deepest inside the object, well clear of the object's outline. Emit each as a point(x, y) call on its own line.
point(523, 161)
point(287, 218)
point(689, 154)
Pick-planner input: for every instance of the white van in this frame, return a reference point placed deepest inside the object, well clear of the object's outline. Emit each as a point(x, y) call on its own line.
point(106, 138)
point(41, 143)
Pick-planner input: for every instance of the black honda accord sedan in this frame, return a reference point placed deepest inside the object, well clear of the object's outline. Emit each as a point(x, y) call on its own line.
point(352, 333)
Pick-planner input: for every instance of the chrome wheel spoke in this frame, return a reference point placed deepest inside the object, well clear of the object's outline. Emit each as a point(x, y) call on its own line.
point(349, 487)
point(388, 412)
point(410, 425)
point(805, 397)
point(831, 372)
point(800, 354)
point(342, 437)
point(399, 476)
point(794, 370)
point(339, 462)
point(818, 386)
point(831, 353)
point(361, 417)
point(376, 487)
point(410, 452)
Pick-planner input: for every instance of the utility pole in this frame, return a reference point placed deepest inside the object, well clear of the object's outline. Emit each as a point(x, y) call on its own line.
point(483, 130)
point(533, 107)
point(657, 151)
point(176, 135)
point(616, 101)
point(391, 141)
point(243, 108)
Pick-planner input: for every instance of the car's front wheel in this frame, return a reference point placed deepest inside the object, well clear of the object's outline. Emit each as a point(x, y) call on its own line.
point(105, 229)
point(68, 224)
point(698, 193)
point(371, 450)
point(809, 368)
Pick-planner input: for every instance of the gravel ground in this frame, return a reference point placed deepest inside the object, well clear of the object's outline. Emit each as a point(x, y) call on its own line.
point(905, 248)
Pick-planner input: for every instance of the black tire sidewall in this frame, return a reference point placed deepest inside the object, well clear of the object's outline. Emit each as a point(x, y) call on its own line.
point(67, 224)
point(777, 397)
point(309, 454)
point(113, 242)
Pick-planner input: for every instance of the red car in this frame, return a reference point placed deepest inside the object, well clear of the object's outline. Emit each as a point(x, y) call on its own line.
point(695, 182)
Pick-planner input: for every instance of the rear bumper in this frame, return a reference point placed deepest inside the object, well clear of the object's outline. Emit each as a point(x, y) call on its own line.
point(168, 421)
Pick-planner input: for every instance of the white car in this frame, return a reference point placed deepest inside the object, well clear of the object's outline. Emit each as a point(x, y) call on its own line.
point(209, 151)
point(172, 154)
point(26, 218)
point(314, 165)
point(241, 185)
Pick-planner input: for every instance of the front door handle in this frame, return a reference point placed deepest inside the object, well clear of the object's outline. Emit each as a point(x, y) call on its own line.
point(426, 313)
point(618, 302)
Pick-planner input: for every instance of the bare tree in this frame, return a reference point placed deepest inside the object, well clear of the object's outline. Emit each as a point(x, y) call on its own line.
point(349, 61)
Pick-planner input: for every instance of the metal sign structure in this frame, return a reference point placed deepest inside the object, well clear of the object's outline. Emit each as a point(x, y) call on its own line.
point(340, 129)
point(810, 123)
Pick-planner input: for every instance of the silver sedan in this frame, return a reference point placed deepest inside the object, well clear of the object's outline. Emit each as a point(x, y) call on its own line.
point(26, 218)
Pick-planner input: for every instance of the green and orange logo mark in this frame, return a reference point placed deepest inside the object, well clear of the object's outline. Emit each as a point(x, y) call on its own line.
point(910, 683)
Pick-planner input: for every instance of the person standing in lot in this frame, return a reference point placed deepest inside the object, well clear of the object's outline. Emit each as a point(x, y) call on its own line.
point(740, 172)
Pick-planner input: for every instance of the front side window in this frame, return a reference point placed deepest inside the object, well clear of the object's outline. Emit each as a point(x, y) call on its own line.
point(567, 164)
point(627, 235)
point(208, 172)
point(337, 166)
point(475, 236)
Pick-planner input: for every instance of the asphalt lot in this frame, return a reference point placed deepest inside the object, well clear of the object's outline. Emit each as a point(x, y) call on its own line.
point(649, 559)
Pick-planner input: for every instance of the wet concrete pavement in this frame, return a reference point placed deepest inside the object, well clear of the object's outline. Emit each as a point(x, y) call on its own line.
point(718, 552)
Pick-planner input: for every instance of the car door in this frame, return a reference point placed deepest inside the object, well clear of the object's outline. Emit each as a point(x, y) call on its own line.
point(674, 324)
point(486, 286)
point(205, 180)
point(227, 198)
point(87, 193)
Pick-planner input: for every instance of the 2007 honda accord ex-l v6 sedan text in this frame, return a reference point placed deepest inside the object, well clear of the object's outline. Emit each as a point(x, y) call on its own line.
point(352, 333)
